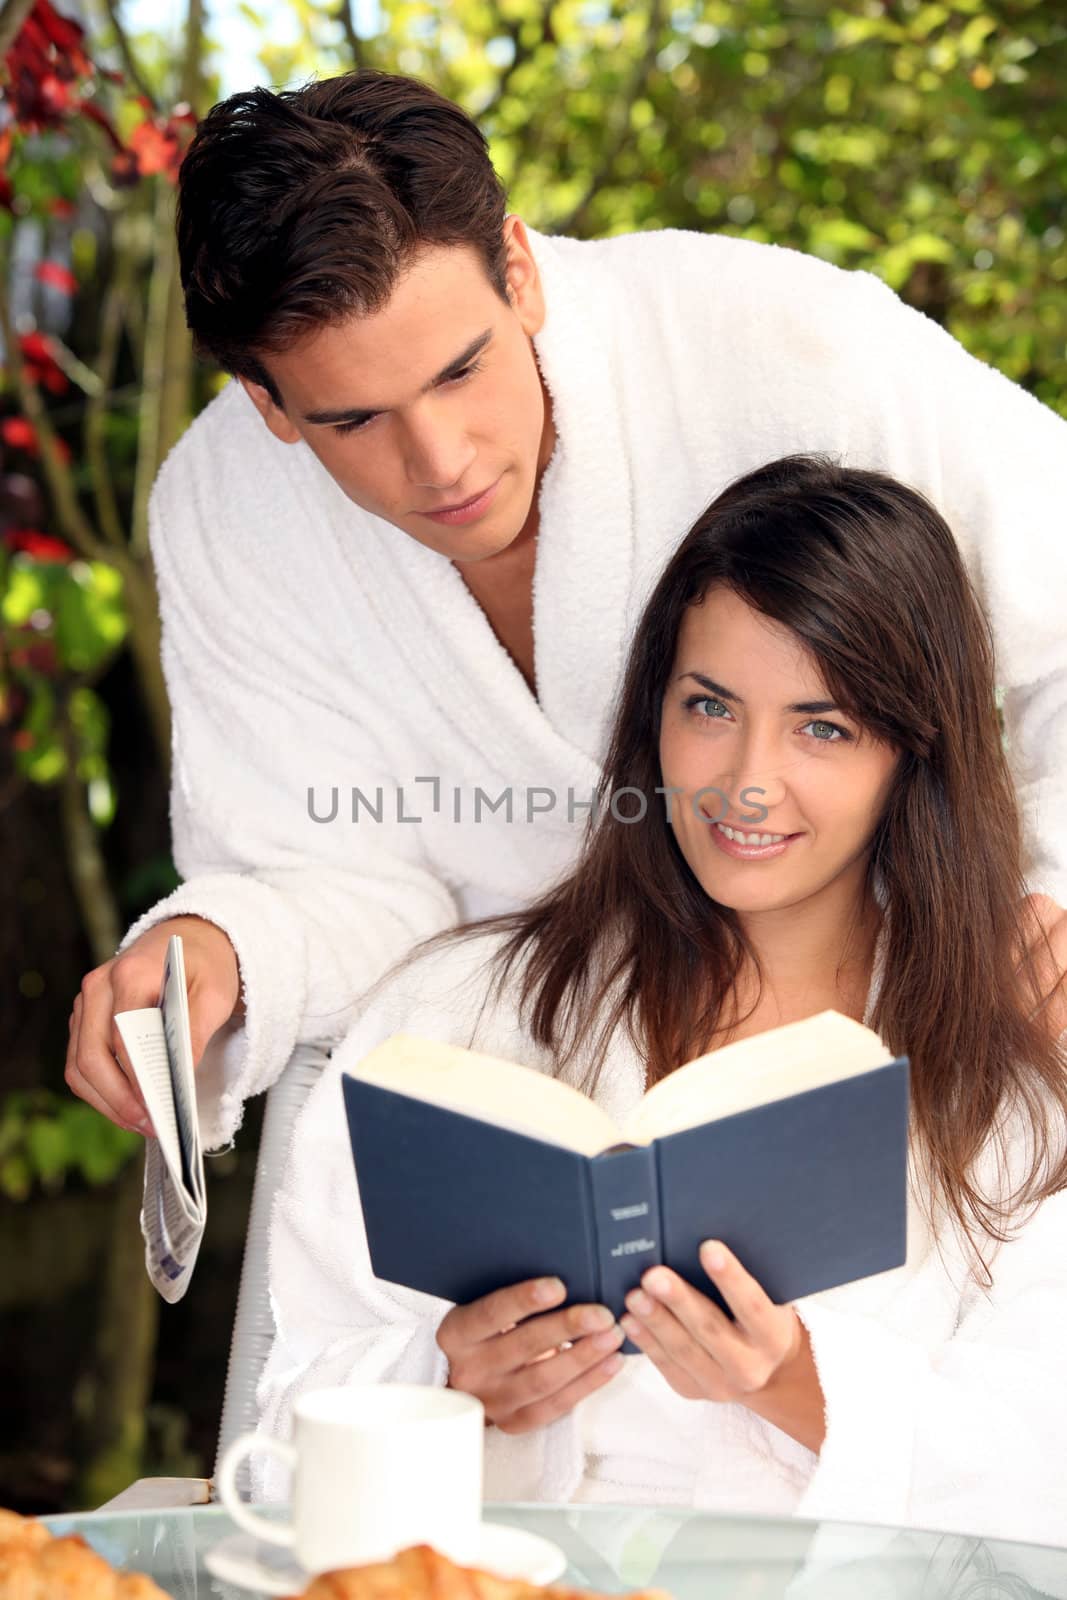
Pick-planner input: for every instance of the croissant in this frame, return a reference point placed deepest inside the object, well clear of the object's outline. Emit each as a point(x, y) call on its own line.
point(34, 1566)
point(421, 1573)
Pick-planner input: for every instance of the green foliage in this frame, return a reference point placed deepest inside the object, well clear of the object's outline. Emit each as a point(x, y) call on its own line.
point(46, 1139)
point(925, 143)
point(60, 626)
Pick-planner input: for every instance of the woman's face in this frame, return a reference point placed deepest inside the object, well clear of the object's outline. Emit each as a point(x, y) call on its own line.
point(751, 742)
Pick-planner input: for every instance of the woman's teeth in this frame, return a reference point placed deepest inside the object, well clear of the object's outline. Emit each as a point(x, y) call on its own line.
point(750, 838)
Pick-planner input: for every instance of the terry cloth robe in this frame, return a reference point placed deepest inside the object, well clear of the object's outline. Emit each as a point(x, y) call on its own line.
point(946, 1406)
point(311, 648)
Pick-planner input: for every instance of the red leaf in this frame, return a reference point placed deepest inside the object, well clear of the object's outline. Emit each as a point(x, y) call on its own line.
point(66, 36)
point(36, 348)
point(56, 276)
point(90, 109)
point(63, 32)
point(23, 739)
point(61, 208)
point(41, 546)
point(124, 169)
point(19, 434)
point(7, 193)
point(56, 97)
point(154, 147)
point(43, 368)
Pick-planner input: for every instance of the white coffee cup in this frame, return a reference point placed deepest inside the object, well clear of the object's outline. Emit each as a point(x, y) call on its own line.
point(376, 1468)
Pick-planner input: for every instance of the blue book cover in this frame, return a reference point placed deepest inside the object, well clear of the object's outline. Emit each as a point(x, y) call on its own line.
point(808, 1189)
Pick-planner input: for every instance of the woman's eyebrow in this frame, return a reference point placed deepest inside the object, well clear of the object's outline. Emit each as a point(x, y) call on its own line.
point(812, 707)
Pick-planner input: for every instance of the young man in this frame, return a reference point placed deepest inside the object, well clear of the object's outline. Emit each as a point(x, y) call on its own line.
point(400, 557)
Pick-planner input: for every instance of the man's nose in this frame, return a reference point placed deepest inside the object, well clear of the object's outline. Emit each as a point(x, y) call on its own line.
point(439, 454)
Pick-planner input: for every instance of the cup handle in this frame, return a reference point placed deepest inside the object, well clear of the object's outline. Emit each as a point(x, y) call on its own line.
point(273, 1532)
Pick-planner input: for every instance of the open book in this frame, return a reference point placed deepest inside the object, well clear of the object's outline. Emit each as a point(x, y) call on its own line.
point(175, 1202)
point(790, 1146)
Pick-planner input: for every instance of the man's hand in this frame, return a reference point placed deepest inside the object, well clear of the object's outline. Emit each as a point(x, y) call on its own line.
point(1045, 933)
point(98, 1068)
point(763, 1360)
point(527, 1364)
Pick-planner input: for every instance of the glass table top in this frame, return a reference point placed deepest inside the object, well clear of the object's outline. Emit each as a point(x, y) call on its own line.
point(692, 1555)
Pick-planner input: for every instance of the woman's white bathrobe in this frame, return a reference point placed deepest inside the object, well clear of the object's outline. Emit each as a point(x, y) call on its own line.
point(310, 646)
point(946, 1404)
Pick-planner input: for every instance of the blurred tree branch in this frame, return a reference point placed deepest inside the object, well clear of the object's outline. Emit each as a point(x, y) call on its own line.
point(618, 129)
point(125, 49)
point(13, 14)
point(356, 48)
point(524, 48)
point(85, 859)
point(70, 518)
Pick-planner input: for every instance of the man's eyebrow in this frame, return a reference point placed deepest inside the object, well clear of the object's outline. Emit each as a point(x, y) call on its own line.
point(453, 369)
point(812, 707)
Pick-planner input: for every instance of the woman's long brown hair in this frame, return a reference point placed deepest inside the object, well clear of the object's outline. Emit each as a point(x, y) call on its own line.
point(868, 576)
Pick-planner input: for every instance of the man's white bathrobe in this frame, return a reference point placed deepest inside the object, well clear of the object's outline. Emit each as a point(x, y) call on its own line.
point(946, 1402)
point(309, 646)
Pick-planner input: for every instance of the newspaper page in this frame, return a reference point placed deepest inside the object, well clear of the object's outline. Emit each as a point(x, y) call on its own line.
point(174, 1211)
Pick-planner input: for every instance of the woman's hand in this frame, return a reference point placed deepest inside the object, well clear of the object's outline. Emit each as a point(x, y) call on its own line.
point(527, 1364)
point(762, 1361)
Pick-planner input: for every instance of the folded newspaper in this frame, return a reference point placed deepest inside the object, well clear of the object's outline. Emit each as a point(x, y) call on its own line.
point(174, 1211)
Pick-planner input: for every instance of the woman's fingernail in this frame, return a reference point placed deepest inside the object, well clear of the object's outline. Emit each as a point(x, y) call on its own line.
point(609, 1340)
point(713, 1256)
point(145, 1127)
point(548, 1291)
point(639, 1302)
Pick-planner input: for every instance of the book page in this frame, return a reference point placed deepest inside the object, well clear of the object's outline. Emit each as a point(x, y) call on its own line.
point(769, 1066)
point(174, 1210)
point(146, 1045)
point(171, 1227)
point(174, 1006)
point(492, 1090)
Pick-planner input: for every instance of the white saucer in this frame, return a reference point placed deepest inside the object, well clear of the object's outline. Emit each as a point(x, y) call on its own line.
point(252, 1563)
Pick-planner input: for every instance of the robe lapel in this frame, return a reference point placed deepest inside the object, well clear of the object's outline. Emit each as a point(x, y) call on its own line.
point(585, 553)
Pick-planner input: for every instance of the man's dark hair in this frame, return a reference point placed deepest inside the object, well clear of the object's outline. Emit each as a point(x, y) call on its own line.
point(301, 208)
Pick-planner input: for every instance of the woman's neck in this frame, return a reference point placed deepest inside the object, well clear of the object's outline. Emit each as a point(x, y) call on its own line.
point(812, 956)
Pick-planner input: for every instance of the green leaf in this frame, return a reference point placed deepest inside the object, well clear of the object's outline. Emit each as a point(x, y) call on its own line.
point(16, 1177)
point(103, 1150)
point(43, 759)
point(835, 237)
point(48, 1150)
point(896, 263)
point(90, 617)
point(27, 591)
point(89, 720)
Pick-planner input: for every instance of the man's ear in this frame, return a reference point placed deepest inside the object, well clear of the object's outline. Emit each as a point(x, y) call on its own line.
point(524, 281)
point(272, 414)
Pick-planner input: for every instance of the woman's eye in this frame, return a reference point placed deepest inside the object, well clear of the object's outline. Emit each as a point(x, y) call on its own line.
point(830, 734)
point(698, 700)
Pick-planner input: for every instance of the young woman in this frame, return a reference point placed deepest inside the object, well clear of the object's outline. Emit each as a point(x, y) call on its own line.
point(811, 808)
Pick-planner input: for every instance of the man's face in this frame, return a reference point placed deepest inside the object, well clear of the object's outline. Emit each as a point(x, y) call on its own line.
point(430, 404)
